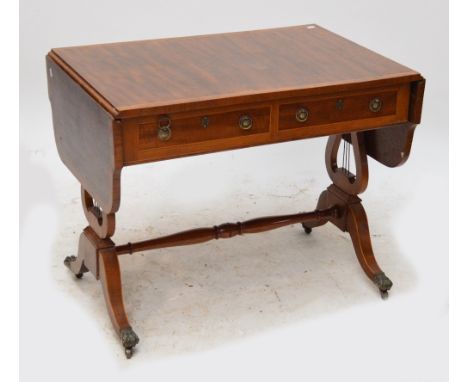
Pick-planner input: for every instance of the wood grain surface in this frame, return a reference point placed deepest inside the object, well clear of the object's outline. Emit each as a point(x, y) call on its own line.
point(88, 139)
point(165, 75)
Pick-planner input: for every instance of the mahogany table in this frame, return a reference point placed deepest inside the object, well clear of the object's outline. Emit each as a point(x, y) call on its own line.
point(122, 104)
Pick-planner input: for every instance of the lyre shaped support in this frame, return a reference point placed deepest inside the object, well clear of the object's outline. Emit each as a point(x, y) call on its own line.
point(103, 224)
point(353, 184)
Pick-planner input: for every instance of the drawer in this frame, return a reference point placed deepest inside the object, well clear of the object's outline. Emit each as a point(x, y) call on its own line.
point(341, 108)
point(179, 134)
point(180, 129)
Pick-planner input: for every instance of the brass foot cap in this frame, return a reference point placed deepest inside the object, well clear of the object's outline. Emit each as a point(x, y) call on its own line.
point(383, 282)
point(129, 341)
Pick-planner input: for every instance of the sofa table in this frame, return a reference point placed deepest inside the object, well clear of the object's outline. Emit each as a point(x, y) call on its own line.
point(123, 104)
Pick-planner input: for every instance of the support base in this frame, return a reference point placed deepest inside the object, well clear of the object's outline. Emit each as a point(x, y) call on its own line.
point(352, 218)
point(100, 255)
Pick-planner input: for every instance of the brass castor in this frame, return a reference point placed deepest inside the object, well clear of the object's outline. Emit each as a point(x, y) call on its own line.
point(69, 260)
point(307, 230)
point(129, 341)
point(128, 352)
point(384, 284)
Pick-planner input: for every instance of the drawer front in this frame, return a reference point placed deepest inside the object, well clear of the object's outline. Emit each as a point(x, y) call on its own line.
point(172, 130)
point(160, 137)
point(179, 134)
point(339, 108)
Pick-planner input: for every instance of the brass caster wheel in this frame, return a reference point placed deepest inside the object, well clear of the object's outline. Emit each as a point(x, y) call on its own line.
point(129, 341)
point(70, 263)
point(384, 294)
point(384, 284)
point(68, 260)
point(128, 353)
point(307, 230)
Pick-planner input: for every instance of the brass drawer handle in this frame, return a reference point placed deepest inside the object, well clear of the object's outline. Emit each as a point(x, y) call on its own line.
point(339, 104)
point(245, 122)
point(302, 114)
point(205, 121)
point(164, 130)
point(375, 105)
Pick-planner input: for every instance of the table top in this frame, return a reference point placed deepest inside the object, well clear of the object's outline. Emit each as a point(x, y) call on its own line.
point(131, 77)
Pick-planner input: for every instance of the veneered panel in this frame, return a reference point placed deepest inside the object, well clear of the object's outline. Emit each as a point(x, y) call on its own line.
point(87, 137)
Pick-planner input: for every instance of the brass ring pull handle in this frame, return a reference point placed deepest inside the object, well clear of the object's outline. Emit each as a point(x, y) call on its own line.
point(302, 114)
point(375, 105)
point(245, 122)
point(339, 104)
point(205, 121)
point(164, 130)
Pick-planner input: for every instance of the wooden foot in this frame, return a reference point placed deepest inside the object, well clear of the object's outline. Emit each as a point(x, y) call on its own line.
point(352, 218)
point(109, 274)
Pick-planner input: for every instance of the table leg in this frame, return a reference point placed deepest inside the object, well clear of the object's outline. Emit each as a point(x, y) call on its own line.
point(109, 271)
point(358, 228)
point(351, 214)
point(96, 254)
point(352, 219)
point(339, 204)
